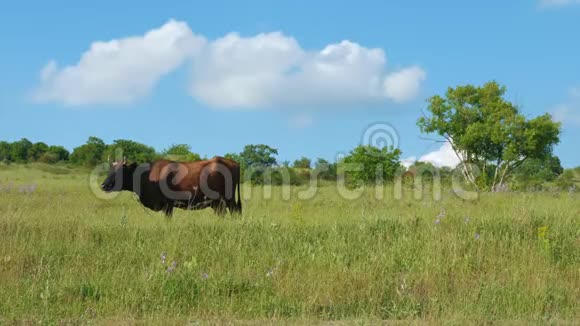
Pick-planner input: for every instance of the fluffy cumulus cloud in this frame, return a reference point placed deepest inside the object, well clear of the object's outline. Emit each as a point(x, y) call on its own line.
point(120, 70)
point(404, 85)
point(265, 70)
point(444, 156)
point(273, 70)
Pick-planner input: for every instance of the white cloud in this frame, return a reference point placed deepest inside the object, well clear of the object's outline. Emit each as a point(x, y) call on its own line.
point(273, 70)
point(404, 85)
point(120, 70)
point(557, 3)
point(407, 162)
point(569, 112)
point(444, 156)
point(262, 71)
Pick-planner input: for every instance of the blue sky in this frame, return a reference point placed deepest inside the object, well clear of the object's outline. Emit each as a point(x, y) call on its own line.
point(305, 78)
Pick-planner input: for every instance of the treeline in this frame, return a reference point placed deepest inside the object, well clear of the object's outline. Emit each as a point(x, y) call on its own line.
point(260, 164)
point(24, 151)
point(261, 160)
point(497, 144)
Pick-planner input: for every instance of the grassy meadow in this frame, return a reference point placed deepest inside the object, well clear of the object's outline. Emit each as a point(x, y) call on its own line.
point(66, 255)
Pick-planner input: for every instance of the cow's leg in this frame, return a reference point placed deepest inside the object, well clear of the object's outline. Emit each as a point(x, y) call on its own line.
point(219, 207)
point(232, 206)
point(168, 210)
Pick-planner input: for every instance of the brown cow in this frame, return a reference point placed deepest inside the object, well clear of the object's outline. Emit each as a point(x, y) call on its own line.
point(164, 184)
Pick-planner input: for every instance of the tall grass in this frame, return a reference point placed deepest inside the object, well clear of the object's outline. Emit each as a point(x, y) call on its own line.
point(67, 255)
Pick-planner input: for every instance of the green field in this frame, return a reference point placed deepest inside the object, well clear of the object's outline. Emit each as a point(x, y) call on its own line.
point(67, 255)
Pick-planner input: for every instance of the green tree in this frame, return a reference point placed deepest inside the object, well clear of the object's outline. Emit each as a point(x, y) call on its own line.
point(55, 154)
point(19, 150)
point(234, 156)
point(256, 160)
point(420, 167)
point(61, 153)
point(536, 172)
point(181, 152)
point(5, 151)
point(258, 155)
point(325, 170)
point(90, 153)
point(368, 164)
point(36, 151)
point(131, 150)
point(567, 179)
point(302, 163)
point(485, 130)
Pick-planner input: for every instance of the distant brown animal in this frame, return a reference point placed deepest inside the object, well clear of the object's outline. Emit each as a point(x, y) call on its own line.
point(163, 184)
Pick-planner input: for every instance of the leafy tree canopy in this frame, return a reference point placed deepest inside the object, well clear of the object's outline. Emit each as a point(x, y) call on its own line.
point(19, 150)
point(89, 154)
point(36, 151)
point(234, 156)
point(325, 169)
point(5, 151)
point(181, 152)
point(302, 163)
point(131, 150)
point(484, 129)
point(258, 155)
point(368, 164)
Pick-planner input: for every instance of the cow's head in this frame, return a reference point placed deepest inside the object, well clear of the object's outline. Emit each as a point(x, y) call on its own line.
point(120, 177)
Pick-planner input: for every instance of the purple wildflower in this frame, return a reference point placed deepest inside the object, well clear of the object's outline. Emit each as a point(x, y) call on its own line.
point(477, 236)
point(163, 256)
point(204, 276)
point(171, 268)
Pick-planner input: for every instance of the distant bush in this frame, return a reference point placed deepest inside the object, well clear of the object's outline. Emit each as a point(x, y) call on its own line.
point(369, 164)
point(566, 179)
point(180, 152)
